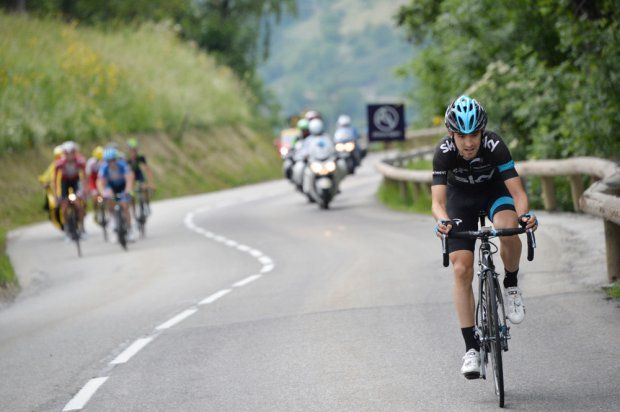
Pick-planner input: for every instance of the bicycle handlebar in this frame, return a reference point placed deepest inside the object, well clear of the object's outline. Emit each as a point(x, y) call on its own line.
point(488, 233)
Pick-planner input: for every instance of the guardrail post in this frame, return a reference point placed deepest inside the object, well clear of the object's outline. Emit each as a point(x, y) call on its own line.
point(612, 246)
point(548, 192)
point(405, 193)
point(576, 190)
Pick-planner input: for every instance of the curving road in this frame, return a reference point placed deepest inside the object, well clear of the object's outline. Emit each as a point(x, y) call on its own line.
point(253, 300)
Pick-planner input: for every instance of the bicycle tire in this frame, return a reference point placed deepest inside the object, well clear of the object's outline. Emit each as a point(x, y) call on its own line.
point(495, 344)
point(120, 227)
point(142, 217)
point(73, 230)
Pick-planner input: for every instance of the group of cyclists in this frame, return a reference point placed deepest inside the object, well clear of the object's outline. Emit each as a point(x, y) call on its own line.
point(109, 175)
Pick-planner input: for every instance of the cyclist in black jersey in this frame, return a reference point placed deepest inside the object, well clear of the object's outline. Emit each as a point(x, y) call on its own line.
point(473, 171)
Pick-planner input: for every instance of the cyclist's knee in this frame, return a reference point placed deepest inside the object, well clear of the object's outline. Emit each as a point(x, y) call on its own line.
point(463, 265)
point(463, 273)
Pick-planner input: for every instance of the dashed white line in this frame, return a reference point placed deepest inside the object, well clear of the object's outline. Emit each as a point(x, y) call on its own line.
point(132, 350)
point(83, 396)
point(212, 298)
point(247, 280)
point(267, 268)
point(255, 253)
point(265, 260)
point(178, 318)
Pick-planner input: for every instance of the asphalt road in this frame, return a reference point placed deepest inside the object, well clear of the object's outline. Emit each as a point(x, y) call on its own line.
point(254, 300)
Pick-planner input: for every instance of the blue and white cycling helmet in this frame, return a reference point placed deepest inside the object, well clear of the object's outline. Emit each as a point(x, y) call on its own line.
point(465, 116)
point(110, 153)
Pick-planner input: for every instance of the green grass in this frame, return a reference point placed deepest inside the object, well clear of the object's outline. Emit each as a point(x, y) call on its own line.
point(390, 194)
point(60, 81)
point(613, 291)
point(393, 196)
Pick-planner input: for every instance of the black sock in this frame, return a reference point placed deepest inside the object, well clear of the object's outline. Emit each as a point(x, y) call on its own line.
point(471, 341)
point(510, 280)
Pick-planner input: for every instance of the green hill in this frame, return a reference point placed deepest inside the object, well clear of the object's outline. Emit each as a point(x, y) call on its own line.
point(196, 123)
point(336, 56)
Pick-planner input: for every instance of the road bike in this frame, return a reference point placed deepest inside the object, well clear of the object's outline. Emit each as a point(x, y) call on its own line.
point(142, 209)
point(121, 226)
point(491, 327)
point(101, 215)
point(73, 227)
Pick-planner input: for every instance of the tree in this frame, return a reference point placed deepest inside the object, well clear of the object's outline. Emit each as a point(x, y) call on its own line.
point(546, 70)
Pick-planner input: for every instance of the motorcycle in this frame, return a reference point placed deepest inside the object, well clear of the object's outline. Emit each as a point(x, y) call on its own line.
point(347, 149)
point(323, 175)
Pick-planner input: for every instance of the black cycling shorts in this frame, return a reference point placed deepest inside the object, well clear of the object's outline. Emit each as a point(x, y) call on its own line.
point(65, 185)
point(464, 208)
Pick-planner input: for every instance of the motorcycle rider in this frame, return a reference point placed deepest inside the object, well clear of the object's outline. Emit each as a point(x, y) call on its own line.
point(318, 143)
point(345, 132)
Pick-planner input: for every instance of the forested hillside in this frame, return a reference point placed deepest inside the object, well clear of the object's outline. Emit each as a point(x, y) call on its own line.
point(546, 71)
point(337, 55)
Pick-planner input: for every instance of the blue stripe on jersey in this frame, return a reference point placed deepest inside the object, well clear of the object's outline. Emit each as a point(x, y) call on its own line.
point(504, 200)
point(506, 166)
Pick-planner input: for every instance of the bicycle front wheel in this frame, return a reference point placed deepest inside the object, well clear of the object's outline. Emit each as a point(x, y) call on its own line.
point(495, 344)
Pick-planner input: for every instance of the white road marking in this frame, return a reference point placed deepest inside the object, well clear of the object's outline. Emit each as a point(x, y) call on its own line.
point(84, 395)
point(178, 318)
point(255, 253)
point(247, 280)
point(265, 260)
point(267, 268)
point(132, 350)
point(212, 298)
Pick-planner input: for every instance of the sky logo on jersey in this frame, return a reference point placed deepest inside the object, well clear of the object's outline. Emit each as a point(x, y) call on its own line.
point(447, 146)
point(490, 143)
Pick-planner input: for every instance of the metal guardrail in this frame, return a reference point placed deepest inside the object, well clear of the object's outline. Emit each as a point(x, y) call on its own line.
point(601, 199)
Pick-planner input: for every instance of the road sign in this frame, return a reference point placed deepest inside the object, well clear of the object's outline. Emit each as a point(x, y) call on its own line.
point(386, 122)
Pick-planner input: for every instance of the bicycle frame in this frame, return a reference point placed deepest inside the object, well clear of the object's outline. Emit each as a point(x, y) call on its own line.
point(488, 278)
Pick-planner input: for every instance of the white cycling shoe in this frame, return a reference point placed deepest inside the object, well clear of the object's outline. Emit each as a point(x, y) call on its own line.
point(471, 364)
point(515, 309)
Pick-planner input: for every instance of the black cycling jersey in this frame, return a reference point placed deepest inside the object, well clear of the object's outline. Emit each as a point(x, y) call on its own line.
point(135, 166)
point(492, 164)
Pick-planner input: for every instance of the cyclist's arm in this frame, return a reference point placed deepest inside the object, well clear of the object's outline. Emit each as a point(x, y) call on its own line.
point(439, 188)
point(129, 179)
point(149, 175)
point(56, 181)
point(515, 187)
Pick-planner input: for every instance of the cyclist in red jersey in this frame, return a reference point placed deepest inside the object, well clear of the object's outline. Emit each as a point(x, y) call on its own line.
point(69, 175)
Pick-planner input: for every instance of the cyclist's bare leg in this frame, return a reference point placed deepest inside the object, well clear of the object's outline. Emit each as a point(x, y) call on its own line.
point(463, 265)
point(125, 207)
point(510, 249)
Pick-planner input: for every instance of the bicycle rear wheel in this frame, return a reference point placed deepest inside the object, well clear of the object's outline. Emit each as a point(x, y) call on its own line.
point(142, 217)
point(495, 344)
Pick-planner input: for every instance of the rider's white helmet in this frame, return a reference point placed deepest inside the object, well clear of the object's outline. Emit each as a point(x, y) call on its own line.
point(70, 146)
point(316, 127)
point(344, 120)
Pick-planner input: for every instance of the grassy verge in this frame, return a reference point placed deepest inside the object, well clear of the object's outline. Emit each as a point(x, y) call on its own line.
point(613, 291)
point(410, 199)
point(60, 81)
